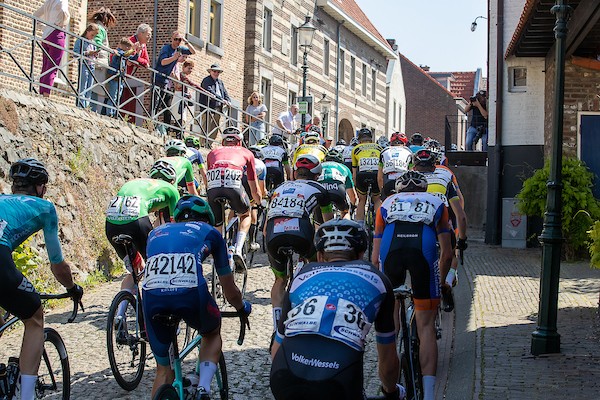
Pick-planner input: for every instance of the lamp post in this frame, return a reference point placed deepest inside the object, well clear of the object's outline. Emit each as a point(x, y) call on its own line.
point(545, 339)
point(306, 33)
point(474, 23)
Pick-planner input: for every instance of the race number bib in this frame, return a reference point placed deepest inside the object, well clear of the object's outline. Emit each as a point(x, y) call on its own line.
point(171, 271)
point(395, 165)
point(271, 163)
point(368, 164)
point(224, 177)
point(415, 211)
point(350, 324)
point(273, 154)
point(287, 205)
point(124, 207)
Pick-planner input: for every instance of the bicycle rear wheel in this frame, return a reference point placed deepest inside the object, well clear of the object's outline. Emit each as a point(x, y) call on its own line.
point(166, 392)
point(416, 363)
point(219, 387)
point(126, 349)
point(54, 376)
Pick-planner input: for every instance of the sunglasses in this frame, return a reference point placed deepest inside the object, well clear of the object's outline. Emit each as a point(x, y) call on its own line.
point(177, 39)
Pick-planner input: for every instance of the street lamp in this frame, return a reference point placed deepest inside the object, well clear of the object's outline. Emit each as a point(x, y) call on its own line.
point(306, 33)
point(474, 23)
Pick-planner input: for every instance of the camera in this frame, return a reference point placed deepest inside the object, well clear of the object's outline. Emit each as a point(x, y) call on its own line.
point(473, 98)
point(179, 49)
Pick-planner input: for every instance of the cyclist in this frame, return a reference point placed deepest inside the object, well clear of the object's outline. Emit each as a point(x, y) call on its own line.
point(261, 174)
point(128, 213)
point(408, 226)
point(395, 160)
point(226, 167)
point(416, 142)
point(23, 213)
point(277, 161)
point(331, 305)
point(288, 222)
point(365, 163)
point(183, 291)
point(176, 156)
point(336, 178)
point(310, 146)
point(347, 153)
point(383, 142)
point(193, 154)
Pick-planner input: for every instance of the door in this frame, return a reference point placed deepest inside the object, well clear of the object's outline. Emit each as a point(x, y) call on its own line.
point(589, 143)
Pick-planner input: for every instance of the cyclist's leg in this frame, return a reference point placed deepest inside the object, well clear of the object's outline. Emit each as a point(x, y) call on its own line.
point(375, 196)
point(361, 189)
point(240, 203)
point(215, 206)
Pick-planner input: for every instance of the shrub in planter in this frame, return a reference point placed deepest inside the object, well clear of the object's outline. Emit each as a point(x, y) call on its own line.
point(579, 207)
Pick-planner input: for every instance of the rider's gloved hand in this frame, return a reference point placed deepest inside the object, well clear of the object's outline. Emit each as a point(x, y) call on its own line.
point(461, 244)
point(398, 394)
point(244, 312)
point(76, 293)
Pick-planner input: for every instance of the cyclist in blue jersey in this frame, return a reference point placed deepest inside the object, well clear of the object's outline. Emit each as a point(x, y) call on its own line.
point(23, 213)
point(327, 314)
point(416, 142)
point(193, 154)
point(182, 290)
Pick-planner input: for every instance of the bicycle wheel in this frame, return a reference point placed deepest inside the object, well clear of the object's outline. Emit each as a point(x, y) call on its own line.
point(216, 290)
point(166, 392)
point(126, 350)
point(416, 364)
point(54, 376)
point(219, 387)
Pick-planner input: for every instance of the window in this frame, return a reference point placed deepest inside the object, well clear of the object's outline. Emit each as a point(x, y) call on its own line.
point(517, 79)
point(265, 90)
point(342, 67)
point(294, 46)
point(195, 18)
point(326, 57)
point(364, 80)
point(292, 97)
point(352, 73)
point(394, 120)
point(373, 84)
point(215, 19)
point(400, 118)
point(267, 29)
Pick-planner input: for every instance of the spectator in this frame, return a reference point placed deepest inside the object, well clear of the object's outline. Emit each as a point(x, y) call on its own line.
point(143, 35)
point(307, 120)
point(88, 51)
point(55, 12)
point(257, 112)
point(213, 85)
point(285, 123)
point(125, 51)
point(478, 128)
point(105, 20)
point(168, 57)
point(317, 121)
point(178, 107)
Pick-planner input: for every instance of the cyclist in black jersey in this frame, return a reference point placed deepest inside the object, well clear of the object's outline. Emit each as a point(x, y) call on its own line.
point(327, 314)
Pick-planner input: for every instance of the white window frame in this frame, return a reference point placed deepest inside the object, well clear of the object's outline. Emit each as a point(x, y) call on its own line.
point(515, 86)
point(294, 45)
point(267, 38)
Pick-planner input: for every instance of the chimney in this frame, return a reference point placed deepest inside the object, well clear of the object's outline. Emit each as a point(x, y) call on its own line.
point(424, 67)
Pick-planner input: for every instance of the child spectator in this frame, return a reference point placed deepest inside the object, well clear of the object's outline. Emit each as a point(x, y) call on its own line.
point(125, 51)
point(87, 63)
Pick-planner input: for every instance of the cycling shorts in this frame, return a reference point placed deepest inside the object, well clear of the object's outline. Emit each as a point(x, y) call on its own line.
point(298, 234)
point(274, 177)
point(315, 367)
point(412, 247)
point(389, 188)
point(17, 294)
point(363, 179)
point(238, 201)
point(194, 305)
point(138, 230)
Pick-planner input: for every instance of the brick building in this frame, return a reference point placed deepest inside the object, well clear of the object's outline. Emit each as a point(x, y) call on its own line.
point(428, 103)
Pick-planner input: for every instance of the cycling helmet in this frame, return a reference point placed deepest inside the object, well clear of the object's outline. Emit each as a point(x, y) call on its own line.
point(232, 134)
point(424, 157)
point(335, 155)
point(192, 141)
point(193, 208)
point(256, 151)
point(314, 128)
point(312, 137)
point(175, 147)
point(435, 148)
point(29, 171)
point(299, 131)
point(411, 181)
point(364, 132)
point(383, 141)
point(309, 162)
point(276, 140)
point(163, 170)
point(341, 142)
point(397, 138)
point(341, 234)
point(354, 141)
point(416, 139)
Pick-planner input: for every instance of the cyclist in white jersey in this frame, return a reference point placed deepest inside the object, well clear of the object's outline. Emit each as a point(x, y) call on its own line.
point(394, 161)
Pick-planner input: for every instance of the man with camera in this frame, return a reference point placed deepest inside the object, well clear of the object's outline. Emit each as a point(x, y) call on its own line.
point(478, 129)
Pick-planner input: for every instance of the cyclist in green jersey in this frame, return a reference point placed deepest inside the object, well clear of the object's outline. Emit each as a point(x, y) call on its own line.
point(336, 177)
point(183, 167)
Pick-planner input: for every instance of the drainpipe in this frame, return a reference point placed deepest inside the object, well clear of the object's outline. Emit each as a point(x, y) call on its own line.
point(337, 84)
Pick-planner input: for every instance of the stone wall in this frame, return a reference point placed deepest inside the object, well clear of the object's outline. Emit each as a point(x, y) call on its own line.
point(88, 157)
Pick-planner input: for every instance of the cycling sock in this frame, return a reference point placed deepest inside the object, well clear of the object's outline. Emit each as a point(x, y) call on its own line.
point(239, 242)
point(429, 387)
point(207, 372)
point(28, 387)
point(122, 309)
point(252, 233)
point(276, 316)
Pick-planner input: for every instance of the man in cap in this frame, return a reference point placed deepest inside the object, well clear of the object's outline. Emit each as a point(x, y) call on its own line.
point(213, 85)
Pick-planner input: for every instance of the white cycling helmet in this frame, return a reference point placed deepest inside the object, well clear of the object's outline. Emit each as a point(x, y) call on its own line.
point(163, 170)
point(175, 146)
point(232, 134)
point(309, 162)
point(411, 181)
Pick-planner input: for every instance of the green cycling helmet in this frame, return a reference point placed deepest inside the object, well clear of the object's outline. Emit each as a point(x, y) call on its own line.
point(193, 208)
point(192, 141)
point(334, 155)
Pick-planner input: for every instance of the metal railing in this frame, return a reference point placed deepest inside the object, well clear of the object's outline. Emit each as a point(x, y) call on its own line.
point(151, 103)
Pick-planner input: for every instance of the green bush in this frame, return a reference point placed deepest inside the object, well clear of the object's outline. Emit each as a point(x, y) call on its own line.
point(579, 207)
point(594, 245)
point(29, 262)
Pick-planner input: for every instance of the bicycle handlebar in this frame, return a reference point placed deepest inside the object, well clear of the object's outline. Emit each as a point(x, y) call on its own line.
point(76, 304)
point(243, 322)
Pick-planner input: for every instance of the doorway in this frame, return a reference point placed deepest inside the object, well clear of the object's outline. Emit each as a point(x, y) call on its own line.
point(589, 143)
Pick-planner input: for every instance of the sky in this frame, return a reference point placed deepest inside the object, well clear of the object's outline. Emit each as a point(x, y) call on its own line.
point(436, 33)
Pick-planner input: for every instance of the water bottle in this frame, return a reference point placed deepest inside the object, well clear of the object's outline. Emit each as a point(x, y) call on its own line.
point(12, 372)
point(230, 251)
point(3, 381)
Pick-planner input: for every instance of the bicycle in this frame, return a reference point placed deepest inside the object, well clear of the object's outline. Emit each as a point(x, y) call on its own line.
point(54, 374)
point(177, 390)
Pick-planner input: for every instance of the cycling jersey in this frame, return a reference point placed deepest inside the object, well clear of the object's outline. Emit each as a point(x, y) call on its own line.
point(261, 173)
point(297, 199)
point(275, 158)
point(347, 154)
point(139, 197)
point(183, 168)
point(414, 148)
point(195, 157)
point(365, 157)
point(395, 161)
point(440, 182)
point(336, 172)
point(174, 282)
point(314, 149)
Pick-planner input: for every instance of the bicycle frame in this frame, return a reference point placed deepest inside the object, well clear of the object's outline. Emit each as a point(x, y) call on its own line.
point(409, 339)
